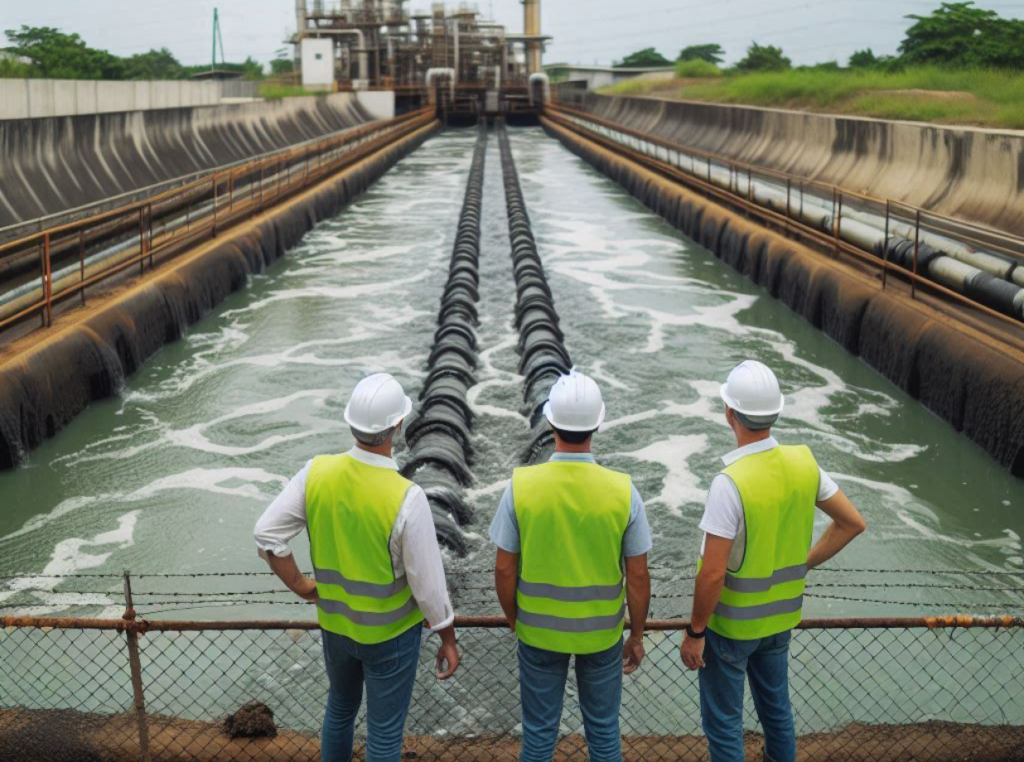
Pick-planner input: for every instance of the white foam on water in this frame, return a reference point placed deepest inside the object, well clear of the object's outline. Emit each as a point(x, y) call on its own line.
point(334, 292)
point(680, 485)
point(490, 376)
point(597, 372)
point(211, 480)
point(71, 556)
point(495, 488)
point(194, 437)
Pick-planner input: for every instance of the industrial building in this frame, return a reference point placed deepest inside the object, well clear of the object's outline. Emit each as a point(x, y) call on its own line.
point(452, 55)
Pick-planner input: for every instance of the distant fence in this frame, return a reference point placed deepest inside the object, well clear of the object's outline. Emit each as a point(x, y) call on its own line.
point(922, 688)
point(39, 98)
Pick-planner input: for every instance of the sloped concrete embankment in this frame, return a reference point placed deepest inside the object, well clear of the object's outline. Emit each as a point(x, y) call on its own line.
point(973, 174)
point(45, 386)
point(975, 386)
point(52, 165)
point(440, 436)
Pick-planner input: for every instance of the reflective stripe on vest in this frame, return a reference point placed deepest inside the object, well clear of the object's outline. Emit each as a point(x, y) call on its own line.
point(351, 508)
point(764, 596)
point(572, 516)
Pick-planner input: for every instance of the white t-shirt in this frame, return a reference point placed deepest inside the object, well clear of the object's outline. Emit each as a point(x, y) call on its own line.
point(723, 511)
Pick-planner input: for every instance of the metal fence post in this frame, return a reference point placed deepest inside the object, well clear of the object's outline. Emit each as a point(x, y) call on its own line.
point(135, 664)
point(81, 262)
point(885, 243)
point(48, 278)
point(917, 250)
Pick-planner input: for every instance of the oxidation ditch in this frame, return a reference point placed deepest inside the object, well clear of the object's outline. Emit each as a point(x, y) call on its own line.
point(172, 474)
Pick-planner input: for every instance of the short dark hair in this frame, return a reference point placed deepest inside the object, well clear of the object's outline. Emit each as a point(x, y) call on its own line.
point(372, 440)
point(755, 423)
point(574, 437)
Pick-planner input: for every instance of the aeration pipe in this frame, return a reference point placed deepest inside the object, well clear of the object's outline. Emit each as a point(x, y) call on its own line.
point(543, 354)
point(440, 446)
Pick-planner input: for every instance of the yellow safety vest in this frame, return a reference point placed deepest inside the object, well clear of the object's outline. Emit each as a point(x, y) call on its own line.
point(351, 509)
point(572, 517)
point(779, 489)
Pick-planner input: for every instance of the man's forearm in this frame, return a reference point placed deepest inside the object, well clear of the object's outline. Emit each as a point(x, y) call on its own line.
point(287, 570)
point(834, 539)
point(707, 591)
point(638, 601)
point(505, 585)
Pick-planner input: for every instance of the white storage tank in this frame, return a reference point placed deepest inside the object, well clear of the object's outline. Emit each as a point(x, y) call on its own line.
point(317, 63)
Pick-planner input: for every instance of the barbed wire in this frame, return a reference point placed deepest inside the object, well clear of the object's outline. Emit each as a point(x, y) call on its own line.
point(459, 573)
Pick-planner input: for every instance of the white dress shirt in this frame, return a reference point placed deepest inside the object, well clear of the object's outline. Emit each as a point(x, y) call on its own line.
point(723, 511)
point(413, 545)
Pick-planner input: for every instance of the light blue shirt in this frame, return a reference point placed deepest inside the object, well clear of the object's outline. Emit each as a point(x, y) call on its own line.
point(505, 527)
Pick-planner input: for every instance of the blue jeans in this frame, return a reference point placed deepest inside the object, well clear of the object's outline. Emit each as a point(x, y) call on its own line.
point(766, 663)
point(542, 676)
point(389, 671)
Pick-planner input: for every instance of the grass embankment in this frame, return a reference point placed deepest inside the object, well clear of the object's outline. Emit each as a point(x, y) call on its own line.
point(273, 91)
point(988, 98)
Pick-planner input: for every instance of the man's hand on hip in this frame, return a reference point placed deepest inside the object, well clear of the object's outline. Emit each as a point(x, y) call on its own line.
point(692, 652)
point(448, 659)
point(632, 654)
point(306, 589)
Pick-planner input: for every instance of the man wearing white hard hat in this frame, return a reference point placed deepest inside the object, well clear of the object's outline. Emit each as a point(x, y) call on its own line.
point(758, 524)
point(572, 542)
point(378, 573)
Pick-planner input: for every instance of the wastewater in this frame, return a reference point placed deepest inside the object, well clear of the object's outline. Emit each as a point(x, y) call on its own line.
point(171, 475)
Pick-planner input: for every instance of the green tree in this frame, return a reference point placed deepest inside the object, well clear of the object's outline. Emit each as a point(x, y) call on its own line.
point(713, 53)
point(12, 68)
point(156, 64)
point(281, 66)
point(764, 58)
point(62, 56)
point(959, 34)
point(645, 57)
point(864, 59)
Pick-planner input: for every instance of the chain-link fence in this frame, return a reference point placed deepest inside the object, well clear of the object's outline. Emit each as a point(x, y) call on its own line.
point(921, 689)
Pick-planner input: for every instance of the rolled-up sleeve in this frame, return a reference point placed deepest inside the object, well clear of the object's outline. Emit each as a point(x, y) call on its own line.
point(284, 518)
point(637, 539)
point(421, 558)
point(505, 526)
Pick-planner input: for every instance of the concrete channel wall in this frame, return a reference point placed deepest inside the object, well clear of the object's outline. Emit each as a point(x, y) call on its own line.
point(973, 174)
point(53, 165)
point(975, 386)
point(42, 98)
point(45, 385)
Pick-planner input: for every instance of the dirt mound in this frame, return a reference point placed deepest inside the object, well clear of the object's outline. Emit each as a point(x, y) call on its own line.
point(252, 720)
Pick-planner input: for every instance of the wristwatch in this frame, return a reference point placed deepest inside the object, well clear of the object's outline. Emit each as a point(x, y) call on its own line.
point(695, 635)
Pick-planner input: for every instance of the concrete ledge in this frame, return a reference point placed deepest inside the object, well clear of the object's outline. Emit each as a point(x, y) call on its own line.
point(973, 174)
point(49, 166)
point(972, 385)
point(51, 376)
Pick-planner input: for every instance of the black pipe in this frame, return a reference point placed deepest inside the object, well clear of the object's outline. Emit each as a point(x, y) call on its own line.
point(439, 437)
point(543, 354)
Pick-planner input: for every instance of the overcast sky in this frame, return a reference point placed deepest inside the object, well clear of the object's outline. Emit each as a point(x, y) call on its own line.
point(584, 31)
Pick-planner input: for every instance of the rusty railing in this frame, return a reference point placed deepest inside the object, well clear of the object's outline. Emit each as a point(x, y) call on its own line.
point(136, 688)
point(46, 267)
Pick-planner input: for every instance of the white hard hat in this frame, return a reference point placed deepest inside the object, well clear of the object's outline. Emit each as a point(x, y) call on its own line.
point(575, 403)
point(377, 404)
point(752, 389)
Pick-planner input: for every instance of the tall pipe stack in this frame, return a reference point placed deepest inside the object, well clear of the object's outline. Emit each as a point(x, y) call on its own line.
point(439, 438)
point(531, 26)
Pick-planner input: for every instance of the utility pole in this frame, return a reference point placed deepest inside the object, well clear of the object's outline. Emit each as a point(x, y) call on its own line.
point(217, 37)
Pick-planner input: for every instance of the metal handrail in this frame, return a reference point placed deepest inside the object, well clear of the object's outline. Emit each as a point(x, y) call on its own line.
point(828, 189)
point(132, 623)
point(274, 177)
point(829, 240)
